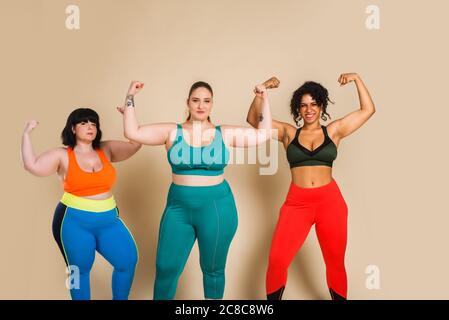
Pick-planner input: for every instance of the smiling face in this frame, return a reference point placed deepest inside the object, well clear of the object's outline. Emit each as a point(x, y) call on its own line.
point(200, 104)
point(309, 109)
point(85, 131)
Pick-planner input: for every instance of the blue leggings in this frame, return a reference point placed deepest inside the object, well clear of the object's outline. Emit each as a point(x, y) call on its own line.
point(79, 233)
point(206, 213)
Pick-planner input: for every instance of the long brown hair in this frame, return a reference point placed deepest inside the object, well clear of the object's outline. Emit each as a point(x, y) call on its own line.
point(200, 84)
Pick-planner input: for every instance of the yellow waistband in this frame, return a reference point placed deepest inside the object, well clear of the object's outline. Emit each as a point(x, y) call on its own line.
point(79, 203)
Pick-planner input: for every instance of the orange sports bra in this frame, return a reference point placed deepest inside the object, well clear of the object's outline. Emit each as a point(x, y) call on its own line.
point(81, 183)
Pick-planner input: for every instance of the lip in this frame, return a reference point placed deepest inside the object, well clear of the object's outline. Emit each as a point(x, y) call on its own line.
point(201, 111)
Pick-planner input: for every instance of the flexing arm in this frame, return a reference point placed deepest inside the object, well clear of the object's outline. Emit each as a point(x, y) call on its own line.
point(120, 150)
point(151, 134)
point(256, 108)
point(43, 165)
point(237, 136)
point(354, 120)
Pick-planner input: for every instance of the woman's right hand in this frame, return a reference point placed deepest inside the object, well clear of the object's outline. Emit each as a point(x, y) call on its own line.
point(260, 90)
point(134, 88)
point(271, 83)
point(30, 125)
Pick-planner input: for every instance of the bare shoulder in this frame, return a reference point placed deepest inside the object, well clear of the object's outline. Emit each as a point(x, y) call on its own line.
point(60, 152)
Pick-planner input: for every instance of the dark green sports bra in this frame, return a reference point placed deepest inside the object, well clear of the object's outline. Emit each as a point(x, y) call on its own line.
point(299, 156)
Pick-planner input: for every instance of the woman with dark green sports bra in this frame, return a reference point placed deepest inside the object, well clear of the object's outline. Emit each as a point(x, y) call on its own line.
point(200, 205)
point(314, 197)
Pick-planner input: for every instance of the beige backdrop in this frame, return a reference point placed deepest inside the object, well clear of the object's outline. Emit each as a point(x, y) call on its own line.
point(393, 172)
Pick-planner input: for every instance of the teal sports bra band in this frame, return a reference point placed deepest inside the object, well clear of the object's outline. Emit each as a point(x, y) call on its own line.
point(209, 160)
point(323, 155)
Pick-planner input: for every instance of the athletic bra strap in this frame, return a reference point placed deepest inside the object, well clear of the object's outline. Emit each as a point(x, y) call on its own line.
point(325, 131)
point(179, 131)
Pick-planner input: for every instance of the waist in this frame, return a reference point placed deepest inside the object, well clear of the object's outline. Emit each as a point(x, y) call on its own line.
point(73, 201)
point(196, 180)
point(311, 177)
point(195, 193)
point(299, 194)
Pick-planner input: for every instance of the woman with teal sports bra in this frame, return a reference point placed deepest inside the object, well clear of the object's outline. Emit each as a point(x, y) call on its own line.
point(200, 204)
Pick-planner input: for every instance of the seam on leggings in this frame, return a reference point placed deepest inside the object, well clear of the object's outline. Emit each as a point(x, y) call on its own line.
point(216, 244)
point(134, 240)
point(62, 243)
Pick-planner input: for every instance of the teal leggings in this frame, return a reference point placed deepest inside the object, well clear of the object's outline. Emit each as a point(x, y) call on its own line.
point(205, 213)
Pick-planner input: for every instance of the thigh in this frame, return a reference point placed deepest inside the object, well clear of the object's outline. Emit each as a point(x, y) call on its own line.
point(331, 226)
point(78, 243)
point(216, 225)
point(291, 230)
point(176, 236)
point(116, 244)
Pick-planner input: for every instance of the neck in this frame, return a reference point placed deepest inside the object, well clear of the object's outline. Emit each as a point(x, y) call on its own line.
point(83, 146)
point(203, 124)
point(312, 126)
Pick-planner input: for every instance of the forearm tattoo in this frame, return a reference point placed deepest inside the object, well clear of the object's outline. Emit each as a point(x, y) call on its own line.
point(130, 101)
point(261, 117)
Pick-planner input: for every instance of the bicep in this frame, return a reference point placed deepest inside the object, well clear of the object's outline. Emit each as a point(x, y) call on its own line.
point(350, 123)
point(237, 136)
point(46, 163)
point(155, 134)
point(119, 150)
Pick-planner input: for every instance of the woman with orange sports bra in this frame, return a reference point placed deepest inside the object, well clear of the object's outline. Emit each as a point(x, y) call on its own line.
point(200, 204)
point(87, 219)
point(314, 196)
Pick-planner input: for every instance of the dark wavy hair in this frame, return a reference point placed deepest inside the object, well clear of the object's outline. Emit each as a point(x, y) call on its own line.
point(200, 84)
point(78, 116)
point(317, 92)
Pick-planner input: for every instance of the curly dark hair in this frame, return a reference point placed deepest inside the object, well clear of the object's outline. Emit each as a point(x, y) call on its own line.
point(78, 116)
point(318, 93)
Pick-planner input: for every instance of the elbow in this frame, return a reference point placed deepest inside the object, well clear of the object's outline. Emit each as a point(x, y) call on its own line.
point(251, 122)
point(128, 135)
point(26, 167)
point(33, 171)
point(133, 137)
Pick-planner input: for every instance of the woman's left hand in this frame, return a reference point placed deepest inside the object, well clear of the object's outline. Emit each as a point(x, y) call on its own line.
point(346, 78)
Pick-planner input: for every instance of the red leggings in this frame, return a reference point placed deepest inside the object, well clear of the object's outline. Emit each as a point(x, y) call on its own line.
point(325, 207)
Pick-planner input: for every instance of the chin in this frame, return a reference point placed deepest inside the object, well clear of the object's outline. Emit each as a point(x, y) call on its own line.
point(202, 117)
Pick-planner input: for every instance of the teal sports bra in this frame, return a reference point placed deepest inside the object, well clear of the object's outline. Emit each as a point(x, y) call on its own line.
point(300, 156)
point(207, 160)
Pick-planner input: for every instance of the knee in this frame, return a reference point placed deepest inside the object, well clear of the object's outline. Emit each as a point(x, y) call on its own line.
point(127, 262)
point(167, 269)
point(277, 260)
point(213, 272)
point(335, 264)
